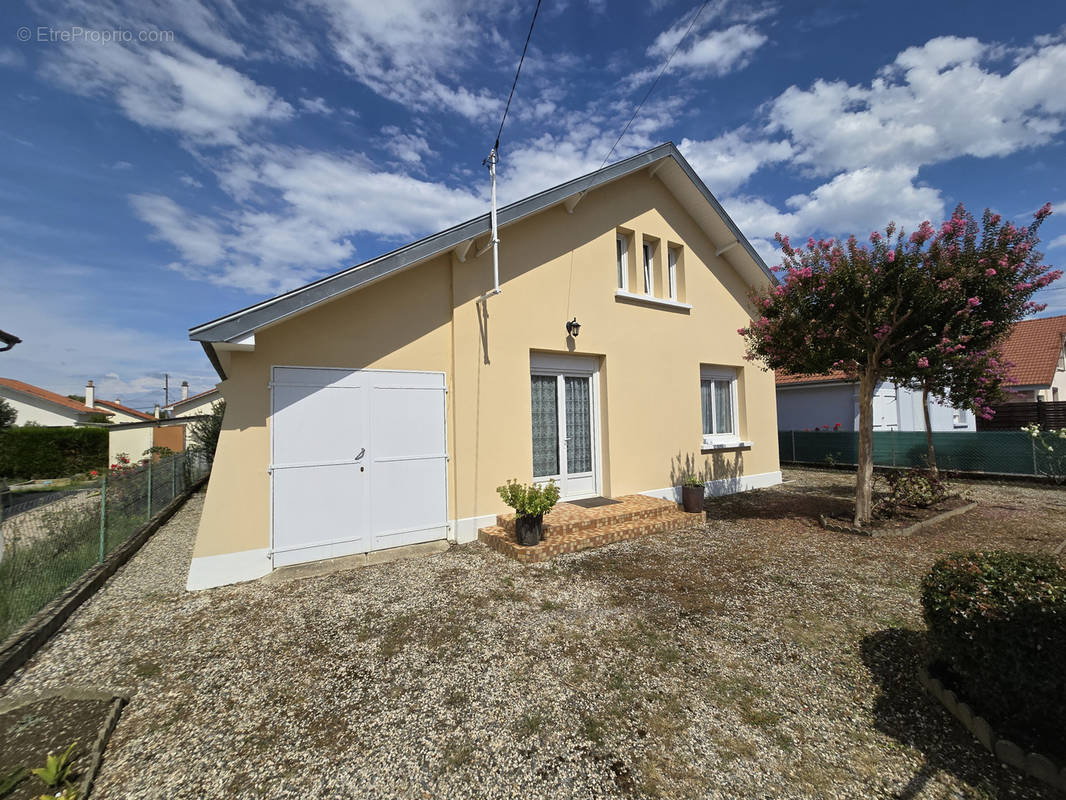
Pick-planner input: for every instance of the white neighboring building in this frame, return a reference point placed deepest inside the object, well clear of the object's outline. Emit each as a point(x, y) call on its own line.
point(806, 402)
point(39, 406)
point(194, 406)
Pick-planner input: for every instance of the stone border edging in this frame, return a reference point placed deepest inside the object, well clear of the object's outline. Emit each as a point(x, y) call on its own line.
point(1036, 765)
point(20, 646)
point(96, 754)
point(837, 527)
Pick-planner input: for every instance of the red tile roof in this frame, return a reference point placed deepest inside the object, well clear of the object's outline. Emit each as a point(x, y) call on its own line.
point(51, 397)
point(1033, 347)
point(786, 380)
point(124, 409)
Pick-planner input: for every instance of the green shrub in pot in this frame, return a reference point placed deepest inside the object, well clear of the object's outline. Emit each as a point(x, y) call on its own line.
point(530, 504)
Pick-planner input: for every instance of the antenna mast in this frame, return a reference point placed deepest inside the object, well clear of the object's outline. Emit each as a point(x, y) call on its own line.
point(495, 241)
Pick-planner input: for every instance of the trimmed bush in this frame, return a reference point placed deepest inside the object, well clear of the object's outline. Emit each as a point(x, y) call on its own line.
point(997, 623)
point(36, 452)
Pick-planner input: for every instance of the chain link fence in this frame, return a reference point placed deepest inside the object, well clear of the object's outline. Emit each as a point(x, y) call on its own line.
point(48, 546)
point(988, 452)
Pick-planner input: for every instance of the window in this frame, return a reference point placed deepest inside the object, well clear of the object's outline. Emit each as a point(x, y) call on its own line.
point(622, 246)
point(958, 418)
point(649, 285)
point(671, 272)
point(718, 396)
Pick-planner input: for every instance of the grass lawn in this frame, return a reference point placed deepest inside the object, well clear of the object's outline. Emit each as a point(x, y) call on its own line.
point(755, 655)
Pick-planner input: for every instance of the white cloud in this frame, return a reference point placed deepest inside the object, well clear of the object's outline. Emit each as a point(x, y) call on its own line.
point(177, 90)
point(413, 51)
point(11, 58)
point(316, 105)
point(852, 202)
point(1058, 241)
point(728, 161)
point(121, 165)
point(933, 103)
point(317, 201)
point(407, 147)
point(718, 52)
point(191, 182)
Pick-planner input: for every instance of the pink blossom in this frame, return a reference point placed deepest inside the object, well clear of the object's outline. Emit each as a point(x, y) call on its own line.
point(990, 272)
point(974, 302)
point(923, 362)
point(987, 323)
point(890, 256)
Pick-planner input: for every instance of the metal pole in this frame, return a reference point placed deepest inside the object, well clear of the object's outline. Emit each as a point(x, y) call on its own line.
point(103, 518)
point(1032, 441)
point(492, 214)
point(793, 445)
point(149, 488)
point(173, 476)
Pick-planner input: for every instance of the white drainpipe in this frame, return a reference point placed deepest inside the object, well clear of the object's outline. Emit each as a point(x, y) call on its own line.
point(495, 239)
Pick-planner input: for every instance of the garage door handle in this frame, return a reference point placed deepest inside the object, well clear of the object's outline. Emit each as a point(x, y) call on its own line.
point(360, 454)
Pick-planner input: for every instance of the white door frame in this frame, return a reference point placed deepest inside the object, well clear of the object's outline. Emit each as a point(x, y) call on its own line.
point(562, 366)
point(270, 428)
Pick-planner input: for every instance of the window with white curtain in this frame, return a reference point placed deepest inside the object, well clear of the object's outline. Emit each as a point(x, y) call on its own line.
point(621, 242)
point(718, 399)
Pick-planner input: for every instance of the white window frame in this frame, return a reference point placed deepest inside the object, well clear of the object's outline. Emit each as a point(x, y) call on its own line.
point(720, 439)
point(671, 272)
point(622, 260)
point(958, 418)
point(649, 268)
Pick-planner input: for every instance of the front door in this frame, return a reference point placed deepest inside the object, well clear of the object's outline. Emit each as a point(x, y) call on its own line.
point(565, 425)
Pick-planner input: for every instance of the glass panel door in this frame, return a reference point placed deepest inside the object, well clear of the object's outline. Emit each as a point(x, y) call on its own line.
point(578, 425)
point(545, 426)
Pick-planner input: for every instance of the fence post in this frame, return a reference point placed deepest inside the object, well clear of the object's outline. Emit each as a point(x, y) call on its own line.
point(173, 476)
point(793, 445)
point(1032, 441)
point(103, 518)
point(149, 488)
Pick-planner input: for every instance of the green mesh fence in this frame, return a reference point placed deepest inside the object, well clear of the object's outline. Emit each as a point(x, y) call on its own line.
point(992, 452)
point(47, 547)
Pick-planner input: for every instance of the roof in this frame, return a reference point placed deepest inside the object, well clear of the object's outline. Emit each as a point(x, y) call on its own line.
point(680, 178)
point(783, 379)
point(193, 397)
point(51, 397)
point(9, 340)
point(124, 409)
point(1033, 348)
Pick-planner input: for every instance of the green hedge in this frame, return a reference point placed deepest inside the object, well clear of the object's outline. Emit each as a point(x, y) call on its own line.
point(51, 452)
point(997, 623)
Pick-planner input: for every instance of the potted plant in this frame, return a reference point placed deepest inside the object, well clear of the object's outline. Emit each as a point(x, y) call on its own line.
point(530, 504)
point(692, 489)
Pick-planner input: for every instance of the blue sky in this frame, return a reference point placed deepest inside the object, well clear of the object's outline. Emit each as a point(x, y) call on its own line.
point(214, 153)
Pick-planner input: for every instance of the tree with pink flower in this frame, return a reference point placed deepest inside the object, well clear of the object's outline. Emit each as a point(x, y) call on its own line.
point(877, 311)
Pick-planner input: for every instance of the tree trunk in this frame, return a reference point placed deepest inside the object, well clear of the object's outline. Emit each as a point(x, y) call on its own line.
point(864, 481)
point(931, 456)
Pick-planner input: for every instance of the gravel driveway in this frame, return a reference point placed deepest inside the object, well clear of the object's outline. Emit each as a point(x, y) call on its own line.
point(754, 656)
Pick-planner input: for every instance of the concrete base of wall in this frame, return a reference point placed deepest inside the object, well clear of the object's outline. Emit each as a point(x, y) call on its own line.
point(722, 486)
point(206, 572)
point(331, 565)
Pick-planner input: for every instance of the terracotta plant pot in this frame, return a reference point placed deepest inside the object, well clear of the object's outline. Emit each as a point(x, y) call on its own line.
point(528, 530)
point(692, 499)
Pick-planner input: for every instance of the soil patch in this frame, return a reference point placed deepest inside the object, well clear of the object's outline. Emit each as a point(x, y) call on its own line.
point(50, 725)
point(903, 521)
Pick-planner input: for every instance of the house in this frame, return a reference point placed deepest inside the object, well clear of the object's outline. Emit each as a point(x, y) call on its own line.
point(806, 402)
point(135, 439)
point(1037, 349)
point(119, 413)
point(196, 405)
point(39, 406)
point(383, 405)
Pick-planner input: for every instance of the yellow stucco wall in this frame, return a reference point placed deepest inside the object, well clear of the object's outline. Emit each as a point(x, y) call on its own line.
point(553, 266)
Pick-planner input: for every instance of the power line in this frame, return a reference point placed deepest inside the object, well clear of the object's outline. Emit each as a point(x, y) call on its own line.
point(517, 73)
point(654, 82)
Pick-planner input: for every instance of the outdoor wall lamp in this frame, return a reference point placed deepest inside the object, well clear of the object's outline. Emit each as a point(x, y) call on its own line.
point(572, 327)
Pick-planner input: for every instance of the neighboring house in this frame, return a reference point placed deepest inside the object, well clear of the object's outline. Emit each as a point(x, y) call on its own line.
point(33, 404)
point(119, 412)
point(1037, 349)
point(134, 439)
point(383, 405)
point(806, 402)
point(194, 406)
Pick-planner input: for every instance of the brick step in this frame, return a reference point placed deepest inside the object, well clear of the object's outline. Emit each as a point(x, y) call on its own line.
point(568, 518)
point(503, 541)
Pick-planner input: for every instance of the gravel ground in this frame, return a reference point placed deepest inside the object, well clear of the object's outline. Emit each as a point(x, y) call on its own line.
point(754, 656)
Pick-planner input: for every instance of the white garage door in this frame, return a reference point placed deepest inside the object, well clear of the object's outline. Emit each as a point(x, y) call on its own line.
point(358, 461)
